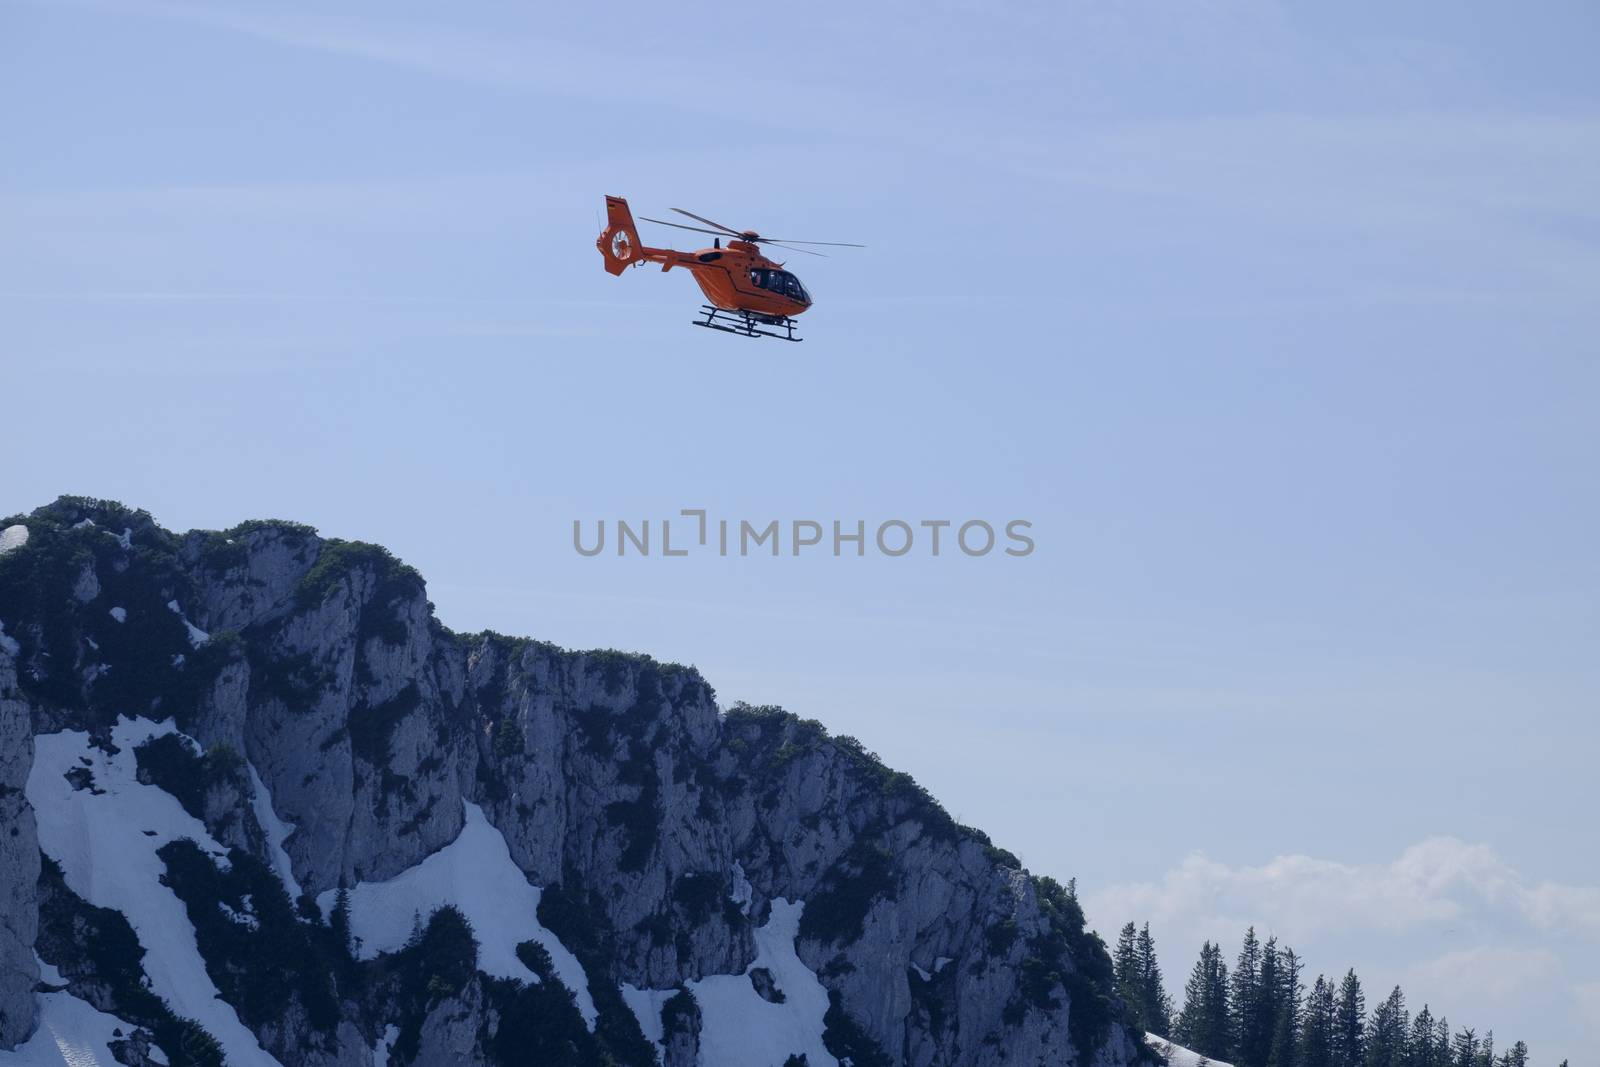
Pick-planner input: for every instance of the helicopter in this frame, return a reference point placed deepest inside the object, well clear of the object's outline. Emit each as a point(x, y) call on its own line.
point(747, 293)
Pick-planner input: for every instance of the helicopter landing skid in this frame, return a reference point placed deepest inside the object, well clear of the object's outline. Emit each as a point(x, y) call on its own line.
point(747, 323)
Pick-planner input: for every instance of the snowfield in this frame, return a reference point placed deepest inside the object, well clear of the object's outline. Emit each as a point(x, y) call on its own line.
point(276, 829)
point(476, 874)
point(1177, 1055)
point(739, 1029)
point(105, 838)
point(646, 1006)
point(73, 1033)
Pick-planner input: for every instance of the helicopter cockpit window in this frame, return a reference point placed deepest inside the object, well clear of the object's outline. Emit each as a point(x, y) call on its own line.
point(781, 282)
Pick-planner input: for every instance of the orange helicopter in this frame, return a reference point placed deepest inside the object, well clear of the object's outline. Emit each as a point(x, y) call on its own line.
point(746, 290)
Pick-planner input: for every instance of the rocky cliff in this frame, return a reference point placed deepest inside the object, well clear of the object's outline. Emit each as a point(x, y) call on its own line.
point(260, 805)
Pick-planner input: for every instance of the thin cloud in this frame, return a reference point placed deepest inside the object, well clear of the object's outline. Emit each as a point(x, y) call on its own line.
point(1434, 881)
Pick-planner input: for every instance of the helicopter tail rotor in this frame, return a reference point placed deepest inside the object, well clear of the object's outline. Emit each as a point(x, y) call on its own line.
point(619, 243)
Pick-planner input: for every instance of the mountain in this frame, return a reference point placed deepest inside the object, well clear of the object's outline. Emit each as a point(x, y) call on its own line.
point(257, 805)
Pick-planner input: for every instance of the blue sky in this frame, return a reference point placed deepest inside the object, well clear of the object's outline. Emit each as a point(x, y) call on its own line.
point(1278, 322)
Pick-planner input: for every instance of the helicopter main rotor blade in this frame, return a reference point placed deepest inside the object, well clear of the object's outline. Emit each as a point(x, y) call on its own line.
point(708, 222)
point(835, 244)
point(791, 248)
point(790, 245)
point(681, 226)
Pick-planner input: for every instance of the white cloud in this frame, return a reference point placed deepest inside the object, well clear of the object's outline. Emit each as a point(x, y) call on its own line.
point(1439, 880)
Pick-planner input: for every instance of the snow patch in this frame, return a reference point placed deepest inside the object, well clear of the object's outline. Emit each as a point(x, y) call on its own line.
point(740, 1029)
point(276, 829)
point(247, 917)
point(120, 614)
point(105, 840)
point(83, 524)
point(48, 974)
point(646, 1005)
point(1178, 1056)
point(8, 644)
point(380, 1051)
point(197, 636)
point(476, 874)
point(742, 893)
point(73, 1033)
point(13, 538)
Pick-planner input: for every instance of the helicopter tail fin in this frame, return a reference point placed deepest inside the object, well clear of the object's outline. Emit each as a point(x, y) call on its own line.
point(619, 244)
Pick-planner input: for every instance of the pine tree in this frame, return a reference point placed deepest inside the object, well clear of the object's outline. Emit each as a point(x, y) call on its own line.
point(1125, 975)
point(1441, 1041)
point(1264, 1010)
point(1517, 1055)
point(339, 919)
point(1350, 1024)
point(1386, 1039)
point(1155, 1007)
point(1188, 1028)
point(1316, 1026)
point(1205, 1024)
point(1464, 1050)
point(1421, 1049)
point(1244, 989)
point(1286, 1032)
point(1486, 1050)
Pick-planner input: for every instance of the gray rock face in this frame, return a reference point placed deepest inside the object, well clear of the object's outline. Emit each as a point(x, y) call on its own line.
point(450, 1031)
point(19, 863)
point(660, 827)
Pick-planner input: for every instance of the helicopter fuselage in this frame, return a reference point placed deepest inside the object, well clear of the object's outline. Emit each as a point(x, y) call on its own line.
point(737, 277)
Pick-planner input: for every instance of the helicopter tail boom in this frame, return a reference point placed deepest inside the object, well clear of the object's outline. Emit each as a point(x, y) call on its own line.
point(620, 244)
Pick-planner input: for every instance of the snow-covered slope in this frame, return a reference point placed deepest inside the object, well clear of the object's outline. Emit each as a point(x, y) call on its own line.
point(105, 836)
point(741, 1029)
point(1178, 1056)
point(71, 1034)
point(277, 832)
point(475, 874)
